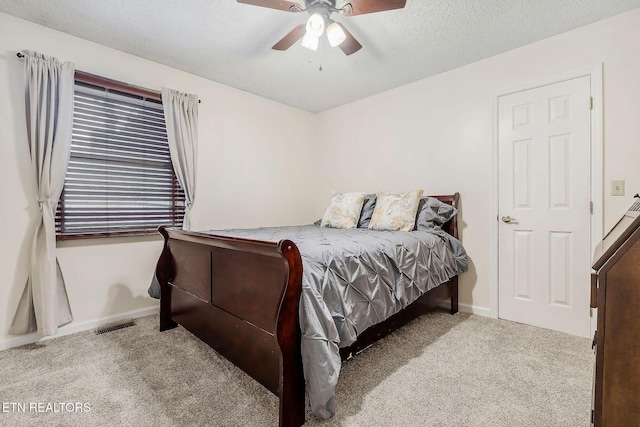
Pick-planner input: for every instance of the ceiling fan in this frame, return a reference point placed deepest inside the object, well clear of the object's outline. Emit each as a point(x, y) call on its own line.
point(320, 19)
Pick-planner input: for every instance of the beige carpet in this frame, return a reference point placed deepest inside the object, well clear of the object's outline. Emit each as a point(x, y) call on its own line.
point(439, 370)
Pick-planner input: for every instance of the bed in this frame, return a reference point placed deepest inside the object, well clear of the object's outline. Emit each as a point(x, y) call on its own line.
point(264, 298)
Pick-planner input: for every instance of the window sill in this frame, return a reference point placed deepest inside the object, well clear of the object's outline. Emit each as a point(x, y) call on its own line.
point(66, 237)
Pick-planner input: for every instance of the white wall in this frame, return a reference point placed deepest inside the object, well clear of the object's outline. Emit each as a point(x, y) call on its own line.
point(107, 278)
point(401, 139)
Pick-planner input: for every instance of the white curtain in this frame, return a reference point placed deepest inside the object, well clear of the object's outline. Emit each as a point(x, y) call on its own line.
point(181, 118)
point(44, 304)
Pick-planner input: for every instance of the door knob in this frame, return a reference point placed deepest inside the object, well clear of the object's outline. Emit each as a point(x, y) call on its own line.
point(507, 219)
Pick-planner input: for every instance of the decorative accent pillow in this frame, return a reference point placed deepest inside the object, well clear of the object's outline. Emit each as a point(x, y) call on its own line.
point(395, 212)
point(432, 214)
point(343, 210)
point(367, 210)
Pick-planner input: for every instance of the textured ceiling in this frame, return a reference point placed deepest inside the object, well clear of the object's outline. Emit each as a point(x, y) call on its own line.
point(229, 42)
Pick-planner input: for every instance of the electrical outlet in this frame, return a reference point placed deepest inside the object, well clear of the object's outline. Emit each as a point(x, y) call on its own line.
point(617, 188)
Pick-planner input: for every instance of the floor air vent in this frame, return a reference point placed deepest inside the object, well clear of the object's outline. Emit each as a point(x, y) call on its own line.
point(115, 326)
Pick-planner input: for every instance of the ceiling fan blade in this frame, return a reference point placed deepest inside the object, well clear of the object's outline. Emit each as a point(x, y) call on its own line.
point(350, 44)
point(274, 4)
point(360, 7)
point(294, 35)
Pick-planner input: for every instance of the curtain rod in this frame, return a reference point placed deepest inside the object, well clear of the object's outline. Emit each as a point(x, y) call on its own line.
point(91, 78)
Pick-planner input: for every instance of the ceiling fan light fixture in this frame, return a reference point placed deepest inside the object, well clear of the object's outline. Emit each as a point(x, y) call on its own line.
point(310, 42)
point(335, 34)
point(315, 25)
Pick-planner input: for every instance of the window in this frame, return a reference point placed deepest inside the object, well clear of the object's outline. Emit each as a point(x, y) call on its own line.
point(120, 179)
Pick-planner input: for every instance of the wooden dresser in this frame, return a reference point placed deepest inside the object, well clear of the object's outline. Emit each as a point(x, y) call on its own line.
point(615, 291)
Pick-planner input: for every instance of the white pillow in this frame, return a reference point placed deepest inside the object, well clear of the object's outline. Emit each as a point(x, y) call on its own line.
point(343, 210)
point(395, 212)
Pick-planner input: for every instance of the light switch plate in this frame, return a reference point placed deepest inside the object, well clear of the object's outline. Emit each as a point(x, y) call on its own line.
point(617, 188)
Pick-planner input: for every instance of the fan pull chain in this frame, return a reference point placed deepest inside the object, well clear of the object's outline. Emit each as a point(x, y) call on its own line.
point(309, 60)
point(319, 57)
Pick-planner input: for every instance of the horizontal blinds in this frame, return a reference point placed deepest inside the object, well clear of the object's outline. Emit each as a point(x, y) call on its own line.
point(120, 177)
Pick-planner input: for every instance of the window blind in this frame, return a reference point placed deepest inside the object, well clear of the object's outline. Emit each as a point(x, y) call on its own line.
point(120, 178)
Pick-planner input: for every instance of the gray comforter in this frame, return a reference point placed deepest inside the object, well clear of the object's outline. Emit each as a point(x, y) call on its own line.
point(352, 279)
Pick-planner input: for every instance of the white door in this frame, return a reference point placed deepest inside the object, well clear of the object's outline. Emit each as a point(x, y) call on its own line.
point(544, 219)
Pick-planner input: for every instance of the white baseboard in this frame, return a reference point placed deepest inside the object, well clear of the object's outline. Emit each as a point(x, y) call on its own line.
point(467, 308)
point(77, 327)
point(92, 324)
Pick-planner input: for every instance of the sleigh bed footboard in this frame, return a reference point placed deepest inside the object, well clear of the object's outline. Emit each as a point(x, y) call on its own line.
point(241, 297)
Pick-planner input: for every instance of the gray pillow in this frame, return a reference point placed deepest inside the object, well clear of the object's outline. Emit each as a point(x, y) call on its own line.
point(367, 210)
point(432, 214)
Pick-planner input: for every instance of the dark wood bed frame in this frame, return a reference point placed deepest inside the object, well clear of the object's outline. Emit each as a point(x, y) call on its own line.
point(241, 297)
